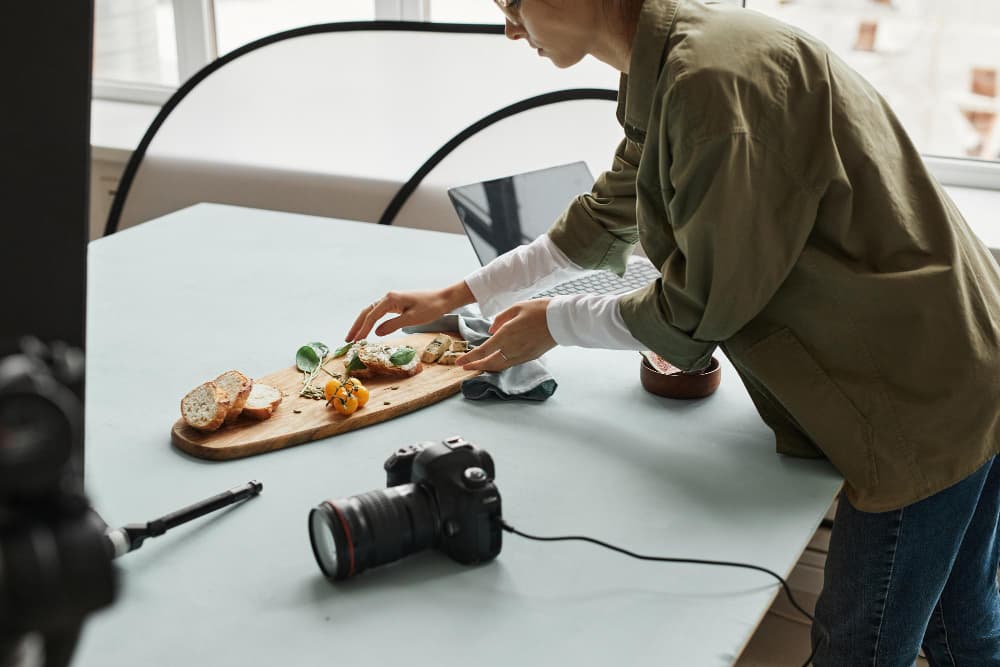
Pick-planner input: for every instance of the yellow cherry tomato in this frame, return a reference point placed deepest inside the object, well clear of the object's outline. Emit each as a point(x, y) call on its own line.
point(361, 393)
point(331, 388)
point(344, 401)
point(346, 406)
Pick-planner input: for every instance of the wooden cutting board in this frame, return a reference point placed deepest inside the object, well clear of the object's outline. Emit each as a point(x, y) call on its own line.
point(298, 420)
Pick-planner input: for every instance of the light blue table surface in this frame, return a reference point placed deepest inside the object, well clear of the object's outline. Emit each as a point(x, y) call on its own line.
point(176, 301)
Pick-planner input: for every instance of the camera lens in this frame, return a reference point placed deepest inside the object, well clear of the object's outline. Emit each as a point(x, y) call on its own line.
point(353, 534)
point(323, 544)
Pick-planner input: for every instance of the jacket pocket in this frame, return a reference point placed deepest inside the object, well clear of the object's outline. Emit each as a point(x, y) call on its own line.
point(817, 404)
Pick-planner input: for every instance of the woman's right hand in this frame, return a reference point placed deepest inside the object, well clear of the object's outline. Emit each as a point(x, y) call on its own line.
point(412, 308)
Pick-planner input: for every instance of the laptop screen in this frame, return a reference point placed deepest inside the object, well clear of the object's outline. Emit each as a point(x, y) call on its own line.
point(501, 214)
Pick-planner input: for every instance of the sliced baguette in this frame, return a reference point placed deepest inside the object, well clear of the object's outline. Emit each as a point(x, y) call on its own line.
point(262, 402)
point(205, 407)
point(237, 386)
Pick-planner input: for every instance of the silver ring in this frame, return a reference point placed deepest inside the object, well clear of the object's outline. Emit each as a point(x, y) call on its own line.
point(505, 357)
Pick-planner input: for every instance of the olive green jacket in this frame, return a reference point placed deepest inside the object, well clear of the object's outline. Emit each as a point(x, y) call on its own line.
point(798, 229)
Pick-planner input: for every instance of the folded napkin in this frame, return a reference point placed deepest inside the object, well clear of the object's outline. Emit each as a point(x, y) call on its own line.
point(529, 381)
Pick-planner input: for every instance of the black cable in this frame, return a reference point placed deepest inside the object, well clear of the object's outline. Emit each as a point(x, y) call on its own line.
point(695, 561)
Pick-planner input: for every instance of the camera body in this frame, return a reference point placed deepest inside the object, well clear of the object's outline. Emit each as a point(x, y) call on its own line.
point(459, 477)
point(438, 495)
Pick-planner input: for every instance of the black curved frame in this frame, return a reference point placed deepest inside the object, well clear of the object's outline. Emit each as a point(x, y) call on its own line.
point(570, 94)
point(135, 160)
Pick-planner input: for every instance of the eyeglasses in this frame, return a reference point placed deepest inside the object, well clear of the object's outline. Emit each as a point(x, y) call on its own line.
point(510, 9)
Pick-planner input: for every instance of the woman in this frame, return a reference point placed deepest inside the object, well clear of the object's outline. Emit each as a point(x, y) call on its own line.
point(797, 230)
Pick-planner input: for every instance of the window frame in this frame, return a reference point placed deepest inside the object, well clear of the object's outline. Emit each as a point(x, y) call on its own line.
point(402, 10)
point(194, 23)
point(964, 172)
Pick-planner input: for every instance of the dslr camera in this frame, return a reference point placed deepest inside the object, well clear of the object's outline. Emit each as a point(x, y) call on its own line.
point(439, 494)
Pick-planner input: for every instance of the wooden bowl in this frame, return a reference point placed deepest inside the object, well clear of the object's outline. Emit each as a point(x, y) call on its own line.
point(674, 383)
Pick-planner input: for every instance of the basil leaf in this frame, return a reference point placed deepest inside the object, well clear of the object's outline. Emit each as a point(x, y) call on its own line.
point(307, 359)
point(402, 356)
point(321, 349)
point(355, 364)
point(342, 350)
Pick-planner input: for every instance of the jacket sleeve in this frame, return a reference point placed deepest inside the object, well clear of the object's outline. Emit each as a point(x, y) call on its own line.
point(740, 221)
point(598, 230)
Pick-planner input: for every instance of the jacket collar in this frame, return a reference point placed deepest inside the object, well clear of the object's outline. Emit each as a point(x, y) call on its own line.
point(637, 89)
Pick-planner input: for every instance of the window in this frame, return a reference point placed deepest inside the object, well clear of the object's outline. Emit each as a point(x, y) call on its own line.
point(241, 21)
point(144, 48)
point(937, 64)
point(465, 11)
point(134, 42)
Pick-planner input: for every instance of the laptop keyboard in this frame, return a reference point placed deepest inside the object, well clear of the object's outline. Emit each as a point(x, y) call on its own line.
point(638, 274)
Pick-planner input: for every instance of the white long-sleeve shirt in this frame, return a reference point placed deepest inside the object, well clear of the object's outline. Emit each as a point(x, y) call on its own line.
point(583, 320)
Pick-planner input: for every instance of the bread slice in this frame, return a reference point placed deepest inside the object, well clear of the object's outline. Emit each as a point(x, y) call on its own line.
point(377, 364)
point(205, 407)
point(449, 358)
point(262, 402)
point(436, 348)
point(237, 386)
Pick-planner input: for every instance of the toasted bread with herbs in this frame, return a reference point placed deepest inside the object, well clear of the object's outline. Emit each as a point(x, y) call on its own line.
point(447, 351)
point(434, 349)
point(366, 360)
point(449, 358)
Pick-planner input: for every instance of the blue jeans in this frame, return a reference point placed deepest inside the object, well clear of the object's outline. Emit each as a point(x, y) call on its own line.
point(924, 575)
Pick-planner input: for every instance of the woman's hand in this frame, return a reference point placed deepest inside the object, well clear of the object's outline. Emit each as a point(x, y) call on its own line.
point(520, 333)
point(413, 308)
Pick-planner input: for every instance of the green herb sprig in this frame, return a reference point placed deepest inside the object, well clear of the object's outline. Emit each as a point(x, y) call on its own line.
point(309, 359)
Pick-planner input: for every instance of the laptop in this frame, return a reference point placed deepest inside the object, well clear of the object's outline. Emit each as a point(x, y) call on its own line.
point(504, 213)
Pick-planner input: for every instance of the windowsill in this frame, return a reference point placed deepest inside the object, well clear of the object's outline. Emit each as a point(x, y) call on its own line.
point(116, 128)
point(979, 208)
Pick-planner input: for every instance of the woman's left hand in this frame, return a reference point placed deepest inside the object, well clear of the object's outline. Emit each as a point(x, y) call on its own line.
point(520, 333)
